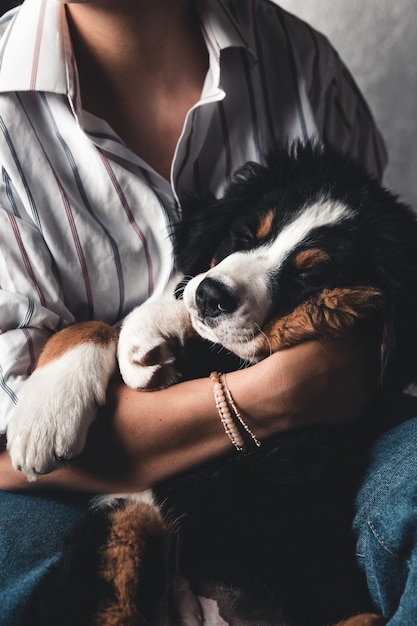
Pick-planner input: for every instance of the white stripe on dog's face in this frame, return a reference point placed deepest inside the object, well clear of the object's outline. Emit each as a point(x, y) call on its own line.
point(321, 214)
point(247, 275)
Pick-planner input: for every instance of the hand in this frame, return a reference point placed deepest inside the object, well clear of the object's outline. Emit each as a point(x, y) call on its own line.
point(316, 382)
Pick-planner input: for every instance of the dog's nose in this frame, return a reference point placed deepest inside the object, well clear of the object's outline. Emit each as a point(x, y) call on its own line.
point(214, 298)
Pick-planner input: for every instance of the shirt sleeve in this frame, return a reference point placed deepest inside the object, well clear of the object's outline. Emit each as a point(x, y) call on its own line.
point(347, 121)
point(341, 113)
point(31, 304)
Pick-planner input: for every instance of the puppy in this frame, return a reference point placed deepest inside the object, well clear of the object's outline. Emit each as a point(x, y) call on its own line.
point(304, 246)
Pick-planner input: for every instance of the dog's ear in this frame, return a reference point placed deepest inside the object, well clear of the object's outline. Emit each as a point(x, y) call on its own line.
point(386, 239)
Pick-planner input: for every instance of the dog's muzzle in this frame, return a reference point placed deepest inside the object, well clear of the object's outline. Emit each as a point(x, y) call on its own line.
point(228, 310)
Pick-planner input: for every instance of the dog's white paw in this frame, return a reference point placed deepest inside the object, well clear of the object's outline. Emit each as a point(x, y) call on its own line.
point(56, 408)
point(150, 341)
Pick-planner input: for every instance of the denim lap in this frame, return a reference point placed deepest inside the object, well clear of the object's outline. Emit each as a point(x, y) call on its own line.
point(32, 534)
point(386, 525)
point(33, 528)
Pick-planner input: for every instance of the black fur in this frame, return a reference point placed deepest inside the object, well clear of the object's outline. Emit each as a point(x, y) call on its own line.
point(268, 533)
point(376, 248)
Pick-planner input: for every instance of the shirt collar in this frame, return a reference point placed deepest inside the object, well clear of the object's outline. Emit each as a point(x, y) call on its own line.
point(35, 50)
point(221, 29)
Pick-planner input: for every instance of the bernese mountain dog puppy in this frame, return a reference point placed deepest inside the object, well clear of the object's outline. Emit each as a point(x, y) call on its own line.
point(304, 246)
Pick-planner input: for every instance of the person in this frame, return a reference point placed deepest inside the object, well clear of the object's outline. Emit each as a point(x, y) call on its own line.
point(109, 111)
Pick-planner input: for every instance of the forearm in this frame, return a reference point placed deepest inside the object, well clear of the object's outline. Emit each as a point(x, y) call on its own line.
point(138, 439)
point(141, 438)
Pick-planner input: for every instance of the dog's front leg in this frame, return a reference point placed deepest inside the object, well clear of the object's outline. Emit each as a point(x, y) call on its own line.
point(59, 400)
point(151, 339)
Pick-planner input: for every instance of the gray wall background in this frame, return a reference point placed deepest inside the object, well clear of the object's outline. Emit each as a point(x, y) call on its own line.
point(377, 39)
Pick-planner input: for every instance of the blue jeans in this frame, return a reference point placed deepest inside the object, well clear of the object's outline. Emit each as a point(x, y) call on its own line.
point(32, 531)
point(386, 525)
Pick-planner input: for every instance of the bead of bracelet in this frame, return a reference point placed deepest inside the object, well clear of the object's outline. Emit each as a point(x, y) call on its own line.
point(226, 418)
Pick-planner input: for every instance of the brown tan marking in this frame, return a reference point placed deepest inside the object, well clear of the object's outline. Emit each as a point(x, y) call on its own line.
point(265, 225)
point(136, 548)
point(330, 314)
point(98, 333)
point(365, 619)
point(309, 258)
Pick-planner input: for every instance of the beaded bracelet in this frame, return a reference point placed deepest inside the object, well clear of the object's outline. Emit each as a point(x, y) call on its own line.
point(226, 418)
point(220, 391)
point(237, 413)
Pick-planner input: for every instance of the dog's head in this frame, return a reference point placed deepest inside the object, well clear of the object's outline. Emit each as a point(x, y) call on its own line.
point(304, 246)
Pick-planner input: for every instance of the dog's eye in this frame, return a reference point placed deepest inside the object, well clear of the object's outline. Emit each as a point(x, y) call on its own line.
point(246, 240)
point(239, 240)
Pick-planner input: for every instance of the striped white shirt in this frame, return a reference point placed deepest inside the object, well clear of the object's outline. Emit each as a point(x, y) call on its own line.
point(84, 222)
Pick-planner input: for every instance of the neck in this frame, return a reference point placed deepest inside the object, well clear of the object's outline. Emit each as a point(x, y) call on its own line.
point(142, 65)
point(133, 34)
